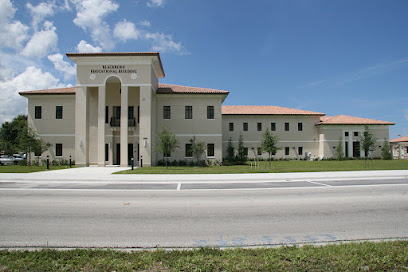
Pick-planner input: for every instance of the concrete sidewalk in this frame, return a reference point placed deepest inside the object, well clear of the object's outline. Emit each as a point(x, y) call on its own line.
point(104, 174)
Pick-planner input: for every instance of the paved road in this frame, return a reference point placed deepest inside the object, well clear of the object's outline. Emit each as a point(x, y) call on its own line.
point(186, 213)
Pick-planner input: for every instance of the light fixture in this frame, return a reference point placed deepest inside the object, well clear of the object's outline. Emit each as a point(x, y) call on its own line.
point(80, 143)
point(145, 142)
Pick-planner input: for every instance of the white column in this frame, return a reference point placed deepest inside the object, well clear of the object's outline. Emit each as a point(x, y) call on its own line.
point(400, 151)
point(321, 146)
point(124, 127)
point(145, 128)
point(350, 144)
point(101, 126)
point(81, 126)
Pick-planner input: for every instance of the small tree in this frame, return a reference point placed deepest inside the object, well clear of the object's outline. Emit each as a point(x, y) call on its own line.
point(166, 143)
point(367, 143)
point(230, 151)
point(340, 149)
point(269, 144)
point(241, 154)
point(386, 150)
point(30, 142)
point(197, 148)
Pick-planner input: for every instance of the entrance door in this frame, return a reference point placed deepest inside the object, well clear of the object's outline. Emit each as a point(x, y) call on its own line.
point(117, 154)
point(356, 149)
point(346, 145)
point(130, 153)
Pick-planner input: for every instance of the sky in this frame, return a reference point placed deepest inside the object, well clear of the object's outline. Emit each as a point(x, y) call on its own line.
point(337, 57)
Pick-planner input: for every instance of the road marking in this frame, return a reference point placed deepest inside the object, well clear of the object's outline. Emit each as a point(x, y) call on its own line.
point(178, 186)
point(318, 183)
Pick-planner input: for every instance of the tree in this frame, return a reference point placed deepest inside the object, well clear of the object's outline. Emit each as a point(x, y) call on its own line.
point(166, 142)
point(230, 151)
point(9, 134)
point(197, 148)
point(367, 143)
point(340, 149)
point(269, 144)
point(29, 141)
point(386, 150)
point(241, 152)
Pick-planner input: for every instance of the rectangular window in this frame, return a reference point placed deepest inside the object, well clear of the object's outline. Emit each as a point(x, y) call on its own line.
point(189, 151)
point(273, 126)
point(346, 134)
point(245, 127)
point(116, 112)
point(231, 126)
point(138, 114)
point(210, 150)
point(246, 151)
point(286, 151)
point(106, 152)
point(286, 126)
point(189, 112)
point(259, 151)
point(37, 110)
point(210, 112)
point(300, 151)
point(131, 112)
point(166, 112)
point(58, 150)
point(300, 126)
point(356, 134)
point(259, 126)
point(106, 114)
point(166, 155)
point(58, 112)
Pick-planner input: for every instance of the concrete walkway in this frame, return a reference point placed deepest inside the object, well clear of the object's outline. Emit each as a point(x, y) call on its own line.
point(104, 174)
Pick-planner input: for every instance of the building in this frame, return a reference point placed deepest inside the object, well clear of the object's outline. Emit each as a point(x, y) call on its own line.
point(399, 148)
point(118, 106)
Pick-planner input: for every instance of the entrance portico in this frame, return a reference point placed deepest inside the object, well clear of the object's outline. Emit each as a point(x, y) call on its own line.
point(111, 89)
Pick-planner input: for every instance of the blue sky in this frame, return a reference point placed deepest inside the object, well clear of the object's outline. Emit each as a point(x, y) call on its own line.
point(336, 57)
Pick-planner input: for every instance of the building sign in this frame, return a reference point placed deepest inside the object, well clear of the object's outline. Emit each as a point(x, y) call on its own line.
point(113, 69)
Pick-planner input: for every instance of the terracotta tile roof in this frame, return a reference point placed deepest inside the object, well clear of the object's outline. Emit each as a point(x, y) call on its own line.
point(178, 89)
point(69, 90)
point(266, 110)
point(401, 139)
point(350, 120)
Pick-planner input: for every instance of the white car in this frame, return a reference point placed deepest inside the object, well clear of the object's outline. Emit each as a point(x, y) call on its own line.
point(6, 160)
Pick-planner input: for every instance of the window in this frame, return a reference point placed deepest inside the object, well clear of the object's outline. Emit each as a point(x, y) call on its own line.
point(300, 126)
point(231, 126)
point(106, 152)
point(210, 150)
point(245, 127)
point(131, 112)
point(166, 155)
point(166, 112)
point(273, 126)
point(58, 112)
point(106, 114)
point(58, 150)
point(286, 151)
point(246, 151)
point(210, 112)
point(138, 114)
point(259, 126)
point(116, 112)
point(346, 134)
point(300, 151)
point(259, 151)
point(189, 112)
point(356, 134)
point(189, 151)
point(37, 112)
point(286, 126)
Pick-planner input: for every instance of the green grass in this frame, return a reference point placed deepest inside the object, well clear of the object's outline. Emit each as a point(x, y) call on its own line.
point(27, 169)
point(367, 256)
point(278, 167)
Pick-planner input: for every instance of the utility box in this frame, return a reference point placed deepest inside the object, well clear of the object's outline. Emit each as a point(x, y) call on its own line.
point(308, 156)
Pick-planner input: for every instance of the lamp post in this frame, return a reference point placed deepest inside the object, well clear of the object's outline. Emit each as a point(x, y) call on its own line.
point(48, 162)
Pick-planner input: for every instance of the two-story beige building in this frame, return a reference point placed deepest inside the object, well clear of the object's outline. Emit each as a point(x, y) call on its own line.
point(118, 106)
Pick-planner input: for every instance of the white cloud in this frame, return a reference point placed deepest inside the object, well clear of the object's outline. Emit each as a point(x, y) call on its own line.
point(145, 23)
point(84, 47)
point(90, 17)
point(32, 78)
point(155, 3)
point(63, 66)
point(41, 43)
point(12, 33)
point(40, 12)
point(125, 31)
point(165, 43)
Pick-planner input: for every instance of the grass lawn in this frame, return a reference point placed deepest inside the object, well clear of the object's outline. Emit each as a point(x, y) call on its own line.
point(367, 256)
point(277, 167)
point(27, 169)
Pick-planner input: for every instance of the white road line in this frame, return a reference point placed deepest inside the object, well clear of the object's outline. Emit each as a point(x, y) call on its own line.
point(318, 183)
point(178, 186)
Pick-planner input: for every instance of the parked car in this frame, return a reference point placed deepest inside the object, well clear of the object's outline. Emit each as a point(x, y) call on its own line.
point(6, 160)
point(18, 158)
